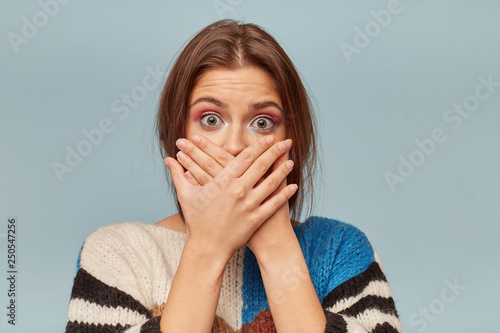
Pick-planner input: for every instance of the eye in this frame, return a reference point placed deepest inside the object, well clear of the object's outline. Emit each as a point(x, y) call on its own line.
point(211, 119)
point(262, 121)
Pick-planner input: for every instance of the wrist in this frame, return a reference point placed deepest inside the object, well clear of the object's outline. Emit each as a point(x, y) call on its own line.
point(286, 246)
point(206, 261)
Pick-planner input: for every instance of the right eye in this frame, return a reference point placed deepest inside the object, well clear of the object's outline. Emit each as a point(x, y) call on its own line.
point(210, 120)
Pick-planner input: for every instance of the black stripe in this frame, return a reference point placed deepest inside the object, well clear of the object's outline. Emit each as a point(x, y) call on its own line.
point(385, 305)
point(74, 327)
point(151, 326)
point(88, 288)
point(355, 285)
point(335, 323)
point(384, 328)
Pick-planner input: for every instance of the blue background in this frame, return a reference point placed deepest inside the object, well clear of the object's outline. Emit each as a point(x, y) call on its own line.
point(438, 227)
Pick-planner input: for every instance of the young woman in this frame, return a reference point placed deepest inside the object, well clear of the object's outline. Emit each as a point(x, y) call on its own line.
point(236, 116)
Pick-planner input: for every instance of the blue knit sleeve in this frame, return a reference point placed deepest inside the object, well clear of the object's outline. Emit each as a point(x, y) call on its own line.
point(358, 298)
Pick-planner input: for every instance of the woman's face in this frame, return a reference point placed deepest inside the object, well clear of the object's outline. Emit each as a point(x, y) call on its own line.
point(235, 108)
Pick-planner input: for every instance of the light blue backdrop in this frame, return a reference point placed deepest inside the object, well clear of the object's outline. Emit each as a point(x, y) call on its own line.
point(387, 92)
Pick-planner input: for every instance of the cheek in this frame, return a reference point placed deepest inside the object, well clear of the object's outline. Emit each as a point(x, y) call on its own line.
point(212, 136)
point(192, 129)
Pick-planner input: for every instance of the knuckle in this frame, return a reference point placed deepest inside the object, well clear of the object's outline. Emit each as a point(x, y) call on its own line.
point(261, 166)
point(273, 183)
point(223, 178)
point(238, 192)
point(223, 158)
point(210, 164)
point(276, 203)
point(247, 205)
point(204, 179)
point(248, 157)
point(253, 219)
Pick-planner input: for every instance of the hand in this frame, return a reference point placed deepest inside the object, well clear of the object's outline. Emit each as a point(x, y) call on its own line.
point(205, 160)
point(231, 202)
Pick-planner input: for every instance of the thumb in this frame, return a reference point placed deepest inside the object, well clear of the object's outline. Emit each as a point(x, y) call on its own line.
point(176, 171)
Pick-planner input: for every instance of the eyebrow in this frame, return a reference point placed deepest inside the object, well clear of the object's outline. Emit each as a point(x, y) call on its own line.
point(219, 103)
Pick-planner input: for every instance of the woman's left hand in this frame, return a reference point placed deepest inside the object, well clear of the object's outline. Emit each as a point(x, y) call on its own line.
point(205, 159)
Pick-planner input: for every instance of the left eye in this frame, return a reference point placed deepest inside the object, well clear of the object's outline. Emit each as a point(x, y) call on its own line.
point(261, 122)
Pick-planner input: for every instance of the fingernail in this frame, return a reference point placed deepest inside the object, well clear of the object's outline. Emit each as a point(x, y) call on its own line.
point(196, 139)
point(270, 139)
point(289, 164)
point(181, 156)
point(294, 188)
point(180, 143)
point(282, 146)
point(166, 163)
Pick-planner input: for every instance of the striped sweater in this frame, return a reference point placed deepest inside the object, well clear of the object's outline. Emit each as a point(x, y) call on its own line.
point(125, 271)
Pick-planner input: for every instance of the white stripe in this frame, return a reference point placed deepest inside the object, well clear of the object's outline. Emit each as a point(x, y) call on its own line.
point(90, 313)
point(375, 288)
point(230, 306)
point(369, 319)
point(377, 259)
point(133, 329)
point(137, 258)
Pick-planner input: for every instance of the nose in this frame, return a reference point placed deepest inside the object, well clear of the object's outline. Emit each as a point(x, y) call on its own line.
point(235, 141)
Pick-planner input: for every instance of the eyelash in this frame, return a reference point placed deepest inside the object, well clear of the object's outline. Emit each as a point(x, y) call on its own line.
point(215, 114)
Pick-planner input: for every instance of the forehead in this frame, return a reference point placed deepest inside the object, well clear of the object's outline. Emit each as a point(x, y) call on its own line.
point(249, 80)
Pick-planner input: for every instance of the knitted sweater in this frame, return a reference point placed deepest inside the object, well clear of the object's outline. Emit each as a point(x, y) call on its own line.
point(125, 271)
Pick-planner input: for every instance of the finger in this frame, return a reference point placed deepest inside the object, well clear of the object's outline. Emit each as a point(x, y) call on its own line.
point(201, 158)
point(264, 161)
point(219, 154)
point(196, 171)
point(273, 204)
point(176, 172)
point(283, 158)
point(273, 183)
point(247, 157)
point(190, 178)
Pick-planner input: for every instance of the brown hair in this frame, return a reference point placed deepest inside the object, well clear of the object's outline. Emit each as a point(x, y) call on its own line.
point(228, 44)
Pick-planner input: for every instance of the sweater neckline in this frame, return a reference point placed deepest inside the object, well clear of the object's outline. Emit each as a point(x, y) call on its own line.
point(177, 232)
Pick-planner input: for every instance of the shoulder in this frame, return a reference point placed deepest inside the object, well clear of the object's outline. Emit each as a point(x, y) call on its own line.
point(128, 244)
point(107, 242)
point(335, 246)
point(118, 235)
point(125, 255)
point(334, 234)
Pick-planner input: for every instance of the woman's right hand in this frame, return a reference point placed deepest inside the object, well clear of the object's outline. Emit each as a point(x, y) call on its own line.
point(223, 214)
